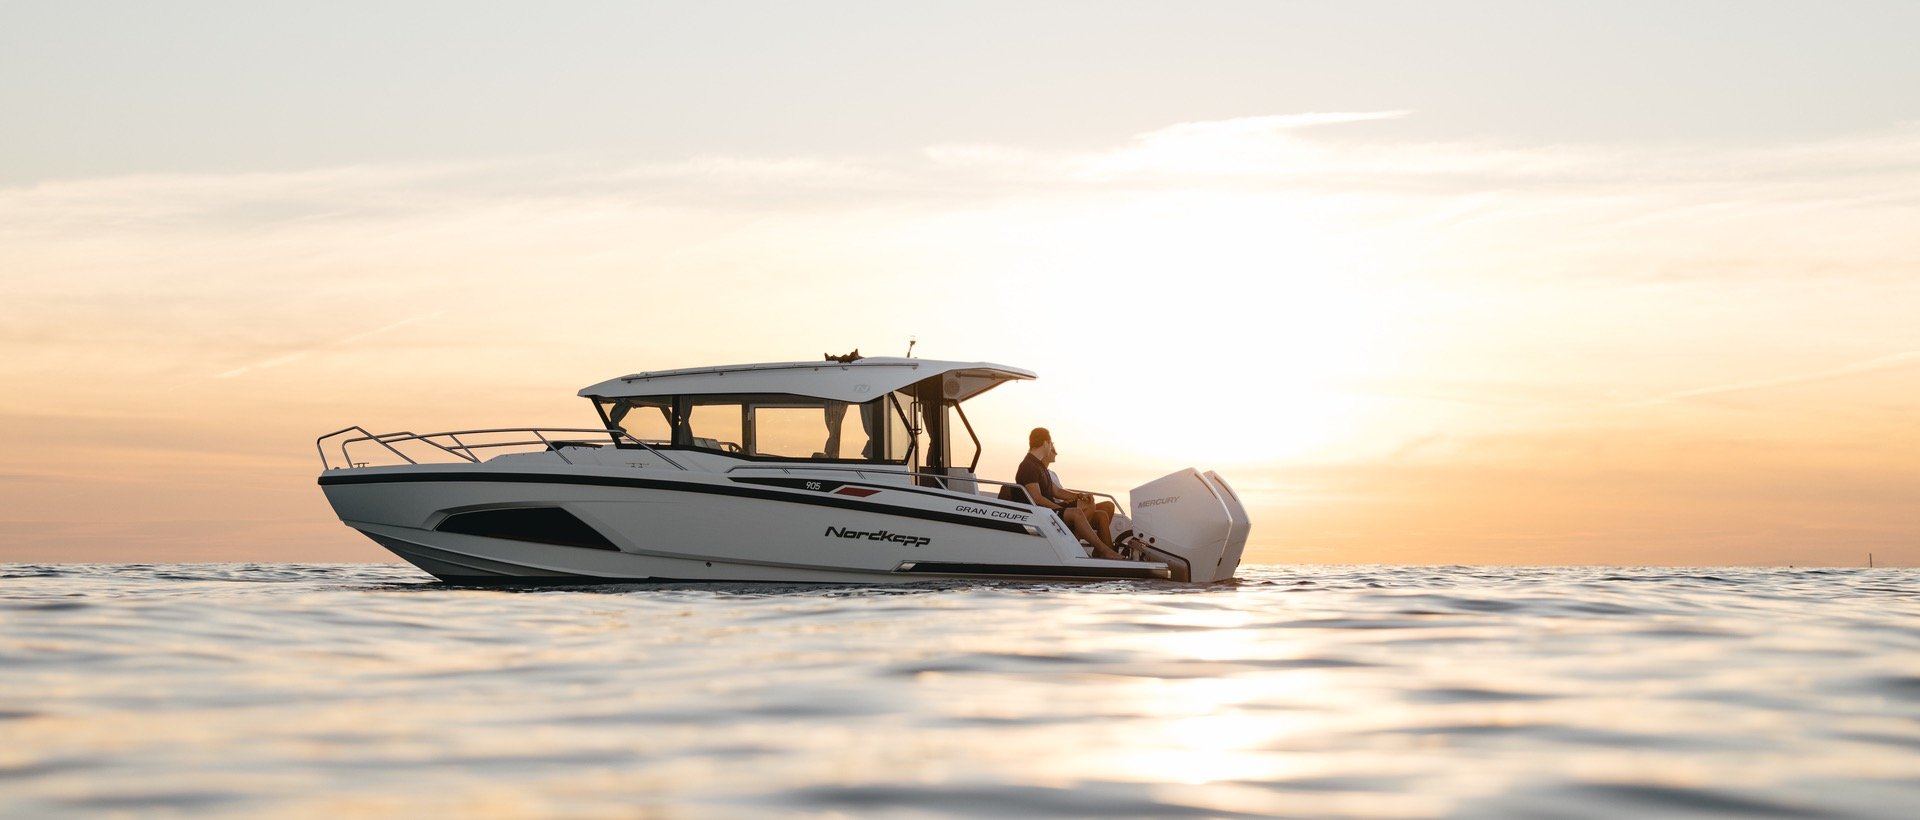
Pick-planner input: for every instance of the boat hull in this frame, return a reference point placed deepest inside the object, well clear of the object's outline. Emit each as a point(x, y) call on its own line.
point(700, 527)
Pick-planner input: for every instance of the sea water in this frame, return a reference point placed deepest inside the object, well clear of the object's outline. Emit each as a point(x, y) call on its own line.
point(323, 690)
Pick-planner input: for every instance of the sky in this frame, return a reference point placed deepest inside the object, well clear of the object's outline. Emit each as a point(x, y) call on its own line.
point(1628, 283)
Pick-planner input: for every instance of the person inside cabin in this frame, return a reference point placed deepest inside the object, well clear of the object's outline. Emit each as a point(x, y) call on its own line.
point(1039, 486)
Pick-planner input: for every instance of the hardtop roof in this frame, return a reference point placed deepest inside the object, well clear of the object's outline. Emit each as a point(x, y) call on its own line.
point(856, 381)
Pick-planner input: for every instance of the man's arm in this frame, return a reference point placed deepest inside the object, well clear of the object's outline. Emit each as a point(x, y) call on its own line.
point(1033, 493)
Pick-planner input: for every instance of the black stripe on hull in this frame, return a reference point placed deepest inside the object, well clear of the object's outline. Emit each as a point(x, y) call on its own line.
point(547, 581)
point(1030, 571)
point(813, 499)
point(595, 580)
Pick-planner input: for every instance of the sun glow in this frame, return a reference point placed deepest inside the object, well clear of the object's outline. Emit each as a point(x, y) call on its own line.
point(1250, 314)
point(1218, 738)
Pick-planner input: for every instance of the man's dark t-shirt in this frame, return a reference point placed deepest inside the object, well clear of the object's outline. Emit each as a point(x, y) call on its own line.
point(1031, 472)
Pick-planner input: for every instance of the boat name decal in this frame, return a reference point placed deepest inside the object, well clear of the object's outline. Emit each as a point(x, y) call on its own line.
point(1010, 515)
point(1152, 501)
point(880, 535)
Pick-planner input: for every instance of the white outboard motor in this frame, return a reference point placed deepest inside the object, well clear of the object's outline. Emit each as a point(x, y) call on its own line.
point(1193, 523)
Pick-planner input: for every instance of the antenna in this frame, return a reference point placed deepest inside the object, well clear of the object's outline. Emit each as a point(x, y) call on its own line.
point(911, 341)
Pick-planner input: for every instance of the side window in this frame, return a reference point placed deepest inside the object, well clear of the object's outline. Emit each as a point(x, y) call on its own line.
point(846, 435)
point(771, 425)
point(716, 426)
point(828, 430)
point(650, 423)
point(790, 432)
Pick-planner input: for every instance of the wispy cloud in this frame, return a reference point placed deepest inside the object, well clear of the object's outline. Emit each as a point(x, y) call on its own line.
point(344, 341)
point(1265, 126)
point(1300, 151)
point(170, 201)
point(804, 170)
point(1879, 364)
point(1236, 146)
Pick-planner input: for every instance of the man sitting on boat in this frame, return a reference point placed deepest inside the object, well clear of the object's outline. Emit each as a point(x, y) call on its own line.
point(1101, 514)
point(1040, 489)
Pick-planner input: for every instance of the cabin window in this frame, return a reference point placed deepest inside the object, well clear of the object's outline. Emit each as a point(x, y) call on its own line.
point(649, 420)
point(717, 426)
point(770, 425)
point(846, 434)
point(826, 430)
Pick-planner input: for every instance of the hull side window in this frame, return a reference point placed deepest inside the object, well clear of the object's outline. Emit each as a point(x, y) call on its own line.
point(541, 525)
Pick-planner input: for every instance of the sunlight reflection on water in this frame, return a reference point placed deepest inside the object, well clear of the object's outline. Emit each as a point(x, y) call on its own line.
point(318, 689)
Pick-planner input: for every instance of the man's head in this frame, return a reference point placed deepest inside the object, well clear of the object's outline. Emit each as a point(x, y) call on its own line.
point(1040, 442)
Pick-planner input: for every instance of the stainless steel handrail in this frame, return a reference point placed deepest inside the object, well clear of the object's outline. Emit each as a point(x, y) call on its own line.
point(387, 440)
point(1116, 501)
point(364, 436)
point(320, 447)
point(465, 451)
point(862, 471)
point(789, 468)
point(830, 468)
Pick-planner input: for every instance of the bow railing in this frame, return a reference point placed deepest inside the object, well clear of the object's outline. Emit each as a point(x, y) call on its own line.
point(465, 445)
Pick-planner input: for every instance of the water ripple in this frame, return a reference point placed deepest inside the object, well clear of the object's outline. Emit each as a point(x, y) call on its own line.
point(1000, 801)
point(240, 690)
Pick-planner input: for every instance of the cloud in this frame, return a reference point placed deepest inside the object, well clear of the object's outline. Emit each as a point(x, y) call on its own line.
point(1290, 152)
point(1265, 126)
point(1209, 149)
point(171, 201)
point(804, 171)
point(1880, 364)
point(978, 155)
point(294, 356)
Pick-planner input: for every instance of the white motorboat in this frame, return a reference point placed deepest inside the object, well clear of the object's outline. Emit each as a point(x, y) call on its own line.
point(829, 471)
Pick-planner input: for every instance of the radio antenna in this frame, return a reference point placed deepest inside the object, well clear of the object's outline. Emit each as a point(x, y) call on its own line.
point(911, 341)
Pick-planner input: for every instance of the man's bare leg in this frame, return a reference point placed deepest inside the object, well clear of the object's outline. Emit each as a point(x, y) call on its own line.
point(1099, 516)
point(1078, 522)
point(1102, 521)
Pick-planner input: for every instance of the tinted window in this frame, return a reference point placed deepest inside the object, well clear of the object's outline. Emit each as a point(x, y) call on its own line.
point(542, 525)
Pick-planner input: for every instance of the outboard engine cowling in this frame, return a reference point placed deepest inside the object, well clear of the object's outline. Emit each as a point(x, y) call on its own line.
point(1194, 523)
